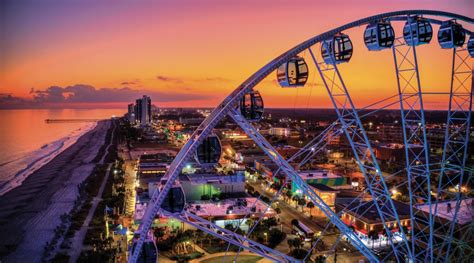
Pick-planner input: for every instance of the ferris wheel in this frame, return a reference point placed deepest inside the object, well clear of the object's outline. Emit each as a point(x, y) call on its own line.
point(430, 235)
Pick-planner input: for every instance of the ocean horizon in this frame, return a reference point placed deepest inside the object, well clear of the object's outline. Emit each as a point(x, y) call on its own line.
point(27, 142)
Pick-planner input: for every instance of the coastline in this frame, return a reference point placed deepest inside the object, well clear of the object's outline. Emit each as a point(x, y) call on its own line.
point(31, 212)
point(41, 159)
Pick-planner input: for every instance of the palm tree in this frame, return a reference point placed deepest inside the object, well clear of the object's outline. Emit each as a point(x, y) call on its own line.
point(295, 199)
point(310, 205)
point(301, 202)
point(289, 194)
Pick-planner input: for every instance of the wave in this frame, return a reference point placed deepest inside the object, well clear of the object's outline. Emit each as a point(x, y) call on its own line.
point(18, 168)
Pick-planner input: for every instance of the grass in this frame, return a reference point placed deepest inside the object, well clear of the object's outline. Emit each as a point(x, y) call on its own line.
point(229, 259)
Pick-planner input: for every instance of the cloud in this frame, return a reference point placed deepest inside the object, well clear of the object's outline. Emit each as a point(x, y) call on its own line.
point(219, 79)
point(81, 93)
point(131, 82)
point(169, 79)
point(7, 101)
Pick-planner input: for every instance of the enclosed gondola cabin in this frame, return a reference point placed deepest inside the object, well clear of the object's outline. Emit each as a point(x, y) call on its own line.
point(149, 251)
point(251, 106)
point(209, 151)
point(451, 34)
point(470, 45)
point(293, 73)
point(337, 49)
point(175, 199)
point(379, 35)
point(417, 31)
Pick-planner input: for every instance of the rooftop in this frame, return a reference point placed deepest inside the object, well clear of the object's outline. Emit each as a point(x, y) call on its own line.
point(323, 188)
point(212, 178)
point(228, 208)
point(235, 207)
point(317, 174)
point(367, 211)
point(465, 214)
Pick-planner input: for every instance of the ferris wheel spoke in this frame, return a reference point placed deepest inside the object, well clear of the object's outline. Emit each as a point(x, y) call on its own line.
point(262, 215)
point(297, 180)
point(229, 236)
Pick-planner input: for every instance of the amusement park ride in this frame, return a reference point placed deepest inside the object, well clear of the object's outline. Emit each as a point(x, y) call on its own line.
point(428, 238)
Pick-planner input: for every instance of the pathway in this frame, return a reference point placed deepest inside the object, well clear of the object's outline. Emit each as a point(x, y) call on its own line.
point(110, 144)
point(78, 239)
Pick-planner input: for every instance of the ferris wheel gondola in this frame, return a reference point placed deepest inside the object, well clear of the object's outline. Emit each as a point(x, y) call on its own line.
point(421, 31)
point(337, 49)
point(293, 73)
point(251, 106)
point(451, 34)
point(470, 45)
point(379, 35)
point(209, 151)
point(175, 199)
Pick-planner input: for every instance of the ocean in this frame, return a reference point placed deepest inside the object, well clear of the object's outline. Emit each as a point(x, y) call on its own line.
point(27, 142)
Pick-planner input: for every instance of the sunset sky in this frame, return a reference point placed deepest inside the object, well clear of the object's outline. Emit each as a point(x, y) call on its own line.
point(191, 53)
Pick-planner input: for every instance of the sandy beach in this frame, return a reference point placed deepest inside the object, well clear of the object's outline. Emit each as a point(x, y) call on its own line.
point(30, 213)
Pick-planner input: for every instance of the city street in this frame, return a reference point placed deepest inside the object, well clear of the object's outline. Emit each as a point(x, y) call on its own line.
point(289, 212)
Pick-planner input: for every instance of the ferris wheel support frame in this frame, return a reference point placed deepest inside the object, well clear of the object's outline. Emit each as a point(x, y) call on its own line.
point(416, 158)
point(362, 149)
point(456, 137)
point(231, 101)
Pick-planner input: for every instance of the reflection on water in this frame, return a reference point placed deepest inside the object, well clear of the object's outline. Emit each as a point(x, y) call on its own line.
point(25, 131)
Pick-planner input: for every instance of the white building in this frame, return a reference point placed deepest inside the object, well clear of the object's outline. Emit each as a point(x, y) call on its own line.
point(276, 131)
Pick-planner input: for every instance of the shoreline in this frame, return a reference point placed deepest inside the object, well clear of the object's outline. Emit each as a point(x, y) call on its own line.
point(31, 212)
point(63, 144)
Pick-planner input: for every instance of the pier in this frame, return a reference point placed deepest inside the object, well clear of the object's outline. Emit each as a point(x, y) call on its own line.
point(70, 120)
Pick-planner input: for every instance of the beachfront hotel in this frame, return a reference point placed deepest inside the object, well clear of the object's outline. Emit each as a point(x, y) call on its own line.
point(140, 113)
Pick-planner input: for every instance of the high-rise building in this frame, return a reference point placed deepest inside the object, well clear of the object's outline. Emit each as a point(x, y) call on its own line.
point(131, 113)
point(143, 110)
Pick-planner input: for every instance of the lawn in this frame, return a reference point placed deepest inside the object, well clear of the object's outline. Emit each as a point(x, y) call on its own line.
point(230, 258)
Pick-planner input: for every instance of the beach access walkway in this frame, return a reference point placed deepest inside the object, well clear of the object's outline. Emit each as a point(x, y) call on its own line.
point(78, 239)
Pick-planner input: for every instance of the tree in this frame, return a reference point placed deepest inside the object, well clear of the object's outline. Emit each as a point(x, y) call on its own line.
point(295, 222)
point(299, 253)
point(275, 236)
point(290, 243)
point(310, 205)
point(200, 235)
point(320, 259)
point(302, 203)
point(373, 235)
point(297, 243)
point(269, 222)
point(296, 199)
